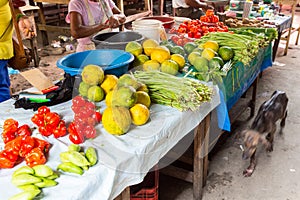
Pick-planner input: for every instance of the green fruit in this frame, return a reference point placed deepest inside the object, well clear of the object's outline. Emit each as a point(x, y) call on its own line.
point(42, 170)
point(169, 67)
point(124, 96)
point(192, 56)
point(92, 74)
point(178, 49)
point(169, 46)
point(198, 49)
point(226, 53)
point(83, 89)
point(134, 48)
point(140, 60)
point(95, 93)
point(29, 194)
point(189, 47)
point(216, 62)
point(201, 64)
point(128, 80)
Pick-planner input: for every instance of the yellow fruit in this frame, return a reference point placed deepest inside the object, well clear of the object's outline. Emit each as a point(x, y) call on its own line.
point(208, 53)
point(116, 120)
point(149, 45)
point(92, 74)
point(212, 45)
point(139, 114)
point(143, 98)
point(151, 65)
point(192, 57)
point(179, 59)
point(109, 82)
point(160, 54)
point(169, 67)
point(143, 87)
point(134, 47)
point(108, 99)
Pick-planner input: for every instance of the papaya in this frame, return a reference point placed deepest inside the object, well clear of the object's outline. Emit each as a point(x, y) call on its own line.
point(116, 120)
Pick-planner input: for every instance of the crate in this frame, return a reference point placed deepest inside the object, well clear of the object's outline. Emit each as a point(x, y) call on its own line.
point(148, 189)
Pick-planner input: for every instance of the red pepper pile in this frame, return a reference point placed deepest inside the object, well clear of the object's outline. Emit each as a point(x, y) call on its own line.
point(20, 145)
point(49, 122)
point(85, 119)
point(199, 27)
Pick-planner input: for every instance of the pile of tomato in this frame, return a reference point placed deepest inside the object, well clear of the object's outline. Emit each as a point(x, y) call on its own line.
point(85, 119)
point(49, 122)
point(200, 27)
point(20, 145)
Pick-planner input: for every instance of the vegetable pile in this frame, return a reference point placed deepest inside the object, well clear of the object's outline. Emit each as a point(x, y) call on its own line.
point(181, 93)
point(20, 145)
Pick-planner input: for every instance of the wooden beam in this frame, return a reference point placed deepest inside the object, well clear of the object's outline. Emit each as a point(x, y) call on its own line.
point(177, 172)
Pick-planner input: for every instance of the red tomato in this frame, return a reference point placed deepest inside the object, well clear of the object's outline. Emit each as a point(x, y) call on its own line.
point(197, 35)
point(97, 116)
point(78, 101)
point(90, 132)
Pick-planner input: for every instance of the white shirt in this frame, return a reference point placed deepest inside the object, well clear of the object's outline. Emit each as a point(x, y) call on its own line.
point(179, 4)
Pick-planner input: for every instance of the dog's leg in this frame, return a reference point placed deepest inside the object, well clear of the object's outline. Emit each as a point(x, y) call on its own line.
point(249, 171)
point(282, 123)
point(270, 138)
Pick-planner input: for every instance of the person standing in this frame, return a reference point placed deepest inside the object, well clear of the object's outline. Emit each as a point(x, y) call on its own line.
point(87, 17)
point(193, 9)
point(6, 41)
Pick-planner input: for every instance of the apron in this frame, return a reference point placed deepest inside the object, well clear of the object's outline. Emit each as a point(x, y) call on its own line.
point(107, 13)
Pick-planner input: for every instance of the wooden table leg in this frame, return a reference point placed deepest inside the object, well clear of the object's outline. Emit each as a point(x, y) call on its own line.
point(125, 195)
point(201, 140)
point(42, 19)
point(275, 46)
point(253, 100)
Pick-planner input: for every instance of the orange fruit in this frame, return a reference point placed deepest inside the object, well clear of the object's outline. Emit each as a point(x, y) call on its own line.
point(139, 114)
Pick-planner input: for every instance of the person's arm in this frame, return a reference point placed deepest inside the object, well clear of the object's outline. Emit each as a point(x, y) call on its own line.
point(198, 4)
point(117, 19)
point(78, 30)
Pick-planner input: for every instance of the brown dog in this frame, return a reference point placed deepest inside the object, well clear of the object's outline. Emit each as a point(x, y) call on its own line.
point(263, 127)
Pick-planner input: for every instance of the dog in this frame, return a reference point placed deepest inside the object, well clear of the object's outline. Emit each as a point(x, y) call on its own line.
point(263, 128)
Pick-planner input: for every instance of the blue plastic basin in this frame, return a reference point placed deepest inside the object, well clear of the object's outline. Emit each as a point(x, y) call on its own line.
point(112, 61)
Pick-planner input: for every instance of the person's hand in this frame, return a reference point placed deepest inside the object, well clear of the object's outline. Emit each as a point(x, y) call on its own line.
point(208, 7)
point(113, 22)
point(26, 27)
point(122, 18)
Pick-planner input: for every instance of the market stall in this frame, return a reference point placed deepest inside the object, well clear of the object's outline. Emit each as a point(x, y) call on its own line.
point(123, 160)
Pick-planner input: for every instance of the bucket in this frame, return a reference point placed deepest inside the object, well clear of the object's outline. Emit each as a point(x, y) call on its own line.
point(116, 40)
point(149, 28)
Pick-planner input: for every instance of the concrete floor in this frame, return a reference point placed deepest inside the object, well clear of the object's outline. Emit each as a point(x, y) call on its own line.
point(277, 174)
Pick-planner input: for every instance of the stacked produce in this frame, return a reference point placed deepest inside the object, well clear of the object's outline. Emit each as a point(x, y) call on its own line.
point(128, 103)
point(181, 93)
point(85, 119)
point(49, 123)
point(77, 161)
point(200, 27)
point(209, 61)
point(150, 55)
point(20, 145)
point(245, 22)
point(32, 180)
point(245, 47)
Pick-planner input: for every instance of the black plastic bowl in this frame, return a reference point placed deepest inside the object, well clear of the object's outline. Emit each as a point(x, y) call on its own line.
point(116, 40)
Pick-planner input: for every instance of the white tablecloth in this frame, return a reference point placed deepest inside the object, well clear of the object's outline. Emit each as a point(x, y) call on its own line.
point(123, 160)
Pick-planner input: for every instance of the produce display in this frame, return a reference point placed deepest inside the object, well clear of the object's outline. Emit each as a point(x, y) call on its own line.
point(245, 22)
point(32, 180)
point(49, 123)
point(20, 145)
point(85, 119)
point(199, 27)
point(181, 93)
point(77, 161)
point(128, 103)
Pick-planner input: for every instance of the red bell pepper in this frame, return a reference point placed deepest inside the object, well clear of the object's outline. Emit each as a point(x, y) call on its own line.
point(5, 162)
point(14, 145)
point(27, 145)
point(24, 130)
point(75, 136)
point(43, 110)
point(42, 144)
point(60, 130)
point(35, 157)
point(8, 136)
point(52, 119)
